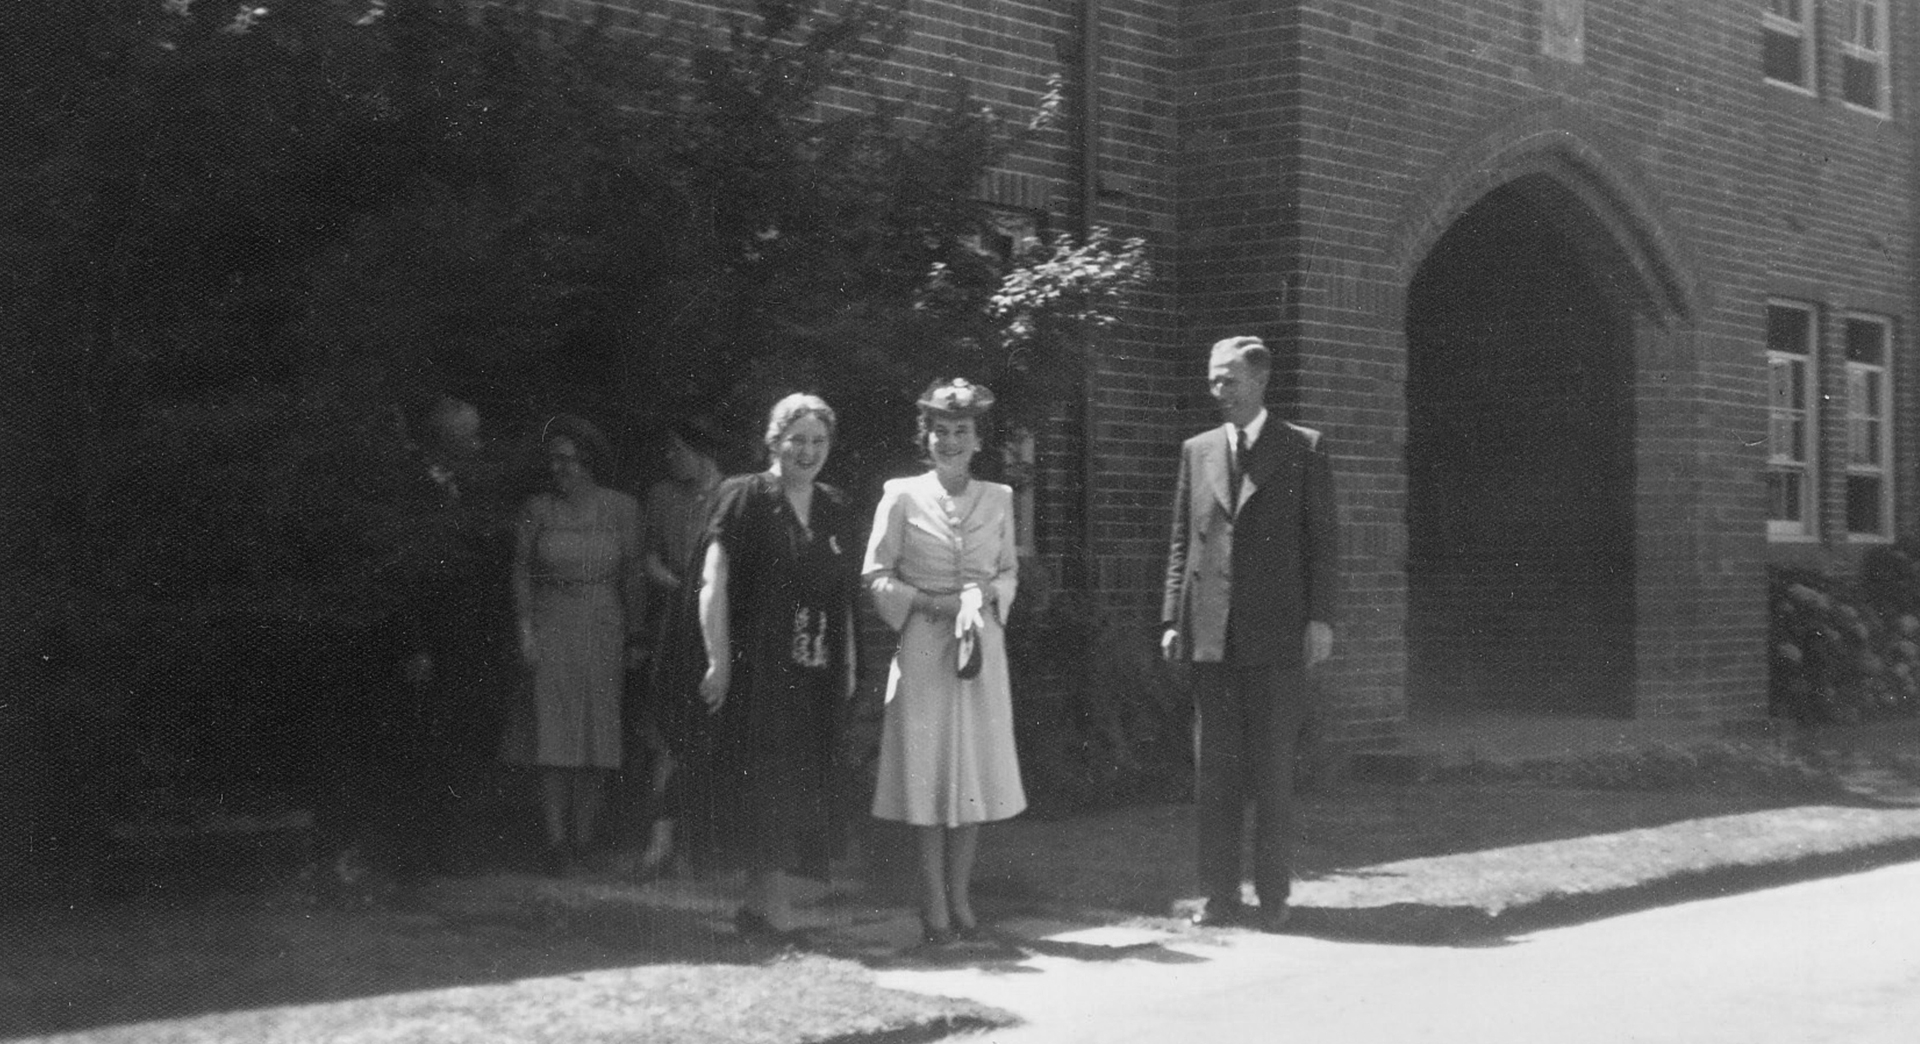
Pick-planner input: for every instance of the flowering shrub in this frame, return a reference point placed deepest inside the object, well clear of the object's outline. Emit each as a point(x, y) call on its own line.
point(1845, 652)
point(1065, 281)
point(1020, 323)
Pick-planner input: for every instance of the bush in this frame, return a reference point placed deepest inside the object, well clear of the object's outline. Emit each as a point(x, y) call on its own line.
point(240, 563)
point(1845, 652)
point(233, 239)
point(1100, 720)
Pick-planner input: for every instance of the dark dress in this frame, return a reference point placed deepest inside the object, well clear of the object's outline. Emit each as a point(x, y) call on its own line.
point(761, 769)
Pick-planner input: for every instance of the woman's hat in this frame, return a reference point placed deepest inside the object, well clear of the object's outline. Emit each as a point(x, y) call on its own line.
point(958, 397)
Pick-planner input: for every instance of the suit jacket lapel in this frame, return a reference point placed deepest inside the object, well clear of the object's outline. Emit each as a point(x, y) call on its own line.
point(1265, 460)
point(1217, 465)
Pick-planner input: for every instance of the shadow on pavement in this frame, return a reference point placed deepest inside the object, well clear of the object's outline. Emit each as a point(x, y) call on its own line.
point(63, 970)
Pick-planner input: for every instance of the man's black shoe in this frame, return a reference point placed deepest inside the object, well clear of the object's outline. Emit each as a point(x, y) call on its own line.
point(1273, 920)
point(1221, 913)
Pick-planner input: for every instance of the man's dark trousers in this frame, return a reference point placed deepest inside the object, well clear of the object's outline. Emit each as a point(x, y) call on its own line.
point(1246, 731)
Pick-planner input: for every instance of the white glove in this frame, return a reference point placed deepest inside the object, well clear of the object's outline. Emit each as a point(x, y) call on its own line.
point(966, 628)
point(972, 601)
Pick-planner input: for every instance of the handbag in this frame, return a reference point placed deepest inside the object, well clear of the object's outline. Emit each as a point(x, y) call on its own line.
point(969, 659)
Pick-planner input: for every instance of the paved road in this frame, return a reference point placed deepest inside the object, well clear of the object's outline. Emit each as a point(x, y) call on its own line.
point(1833, 960)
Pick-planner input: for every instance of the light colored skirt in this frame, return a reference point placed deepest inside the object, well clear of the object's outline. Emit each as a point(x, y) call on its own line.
point(947, 755)
point(571, 717)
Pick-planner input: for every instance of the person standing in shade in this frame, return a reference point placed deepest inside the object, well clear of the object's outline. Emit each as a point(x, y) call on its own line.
point(1249, 601)
point(576, 588)
point(943, 567)
point(776, 619)
point(675, 517)
point(461, 632)
point(395, 753)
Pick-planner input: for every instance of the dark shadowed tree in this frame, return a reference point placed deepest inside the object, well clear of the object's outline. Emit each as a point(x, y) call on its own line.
point(232, 239)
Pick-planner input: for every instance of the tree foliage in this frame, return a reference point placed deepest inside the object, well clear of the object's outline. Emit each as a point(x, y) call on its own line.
point(234, 236)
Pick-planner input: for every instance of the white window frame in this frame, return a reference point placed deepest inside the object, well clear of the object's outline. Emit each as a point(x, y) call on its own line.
point(1783, 23)
point(1011, 233)
point(1793, 427)
point(1870, 423)
point(1868, 19)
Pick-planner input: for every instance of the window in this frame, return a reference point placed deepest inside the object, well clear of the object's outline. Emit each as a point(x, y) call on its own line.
point(1791, 469)
point(1869, 428)
point(1863, 55)
point(1563, 30)
point(1007, 236)
point(1786, 42)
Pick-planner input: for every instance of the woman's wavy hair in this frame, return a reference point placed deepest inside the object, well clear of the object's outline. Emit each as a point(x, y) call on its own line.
point(595, 451)
point(791, 409)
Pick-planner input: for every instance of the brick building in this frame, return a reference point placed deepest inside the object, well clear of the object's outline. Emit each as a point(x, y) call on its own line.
point(1604, 305)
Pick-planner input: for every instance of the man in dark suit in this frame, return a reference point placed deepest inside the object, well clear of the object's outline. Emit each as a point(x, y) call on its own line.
point(1249, 601)
point(406, 779)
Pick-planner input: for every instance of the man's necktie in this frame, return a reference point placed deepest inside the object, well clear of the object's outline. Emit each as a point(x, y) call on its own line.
point(1237, 467)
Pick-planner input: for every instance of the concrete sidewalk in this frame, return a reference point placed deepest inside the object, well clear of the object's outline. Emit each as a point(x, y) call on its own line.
point(1459, 896)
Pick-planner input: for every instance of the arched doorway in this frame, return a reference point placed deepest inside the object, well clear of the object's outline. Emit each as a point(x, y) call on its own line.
point(1520, 476)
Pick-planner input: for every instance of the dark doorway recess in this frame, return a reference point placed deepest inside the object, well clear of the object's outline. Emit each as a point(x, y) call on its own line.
point(1520, 463)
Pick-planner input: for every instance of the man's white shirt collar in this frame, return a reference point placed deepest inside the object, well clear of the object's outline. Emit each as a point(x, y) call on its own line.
point(1253, 429)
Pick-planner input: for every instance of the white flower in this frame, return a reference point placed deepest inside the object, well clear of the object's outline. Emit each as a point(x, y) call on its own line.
point(244, 18)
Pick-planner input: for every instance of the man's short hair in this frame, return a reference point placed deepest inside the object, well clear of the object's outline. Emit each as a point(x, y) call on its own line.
point(1252, 350)
point(424, 415)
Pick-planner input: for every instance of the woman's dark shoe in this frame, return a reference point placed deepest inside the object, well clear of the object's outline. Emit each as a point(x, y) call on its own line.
point(657, 857)
point(754, 926)
point(967, 929)
point(936, 935)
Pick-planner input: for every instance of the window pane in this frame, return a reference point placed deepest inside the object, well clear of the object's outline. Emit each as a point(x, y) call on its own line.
point(1780, 58)
point(1783, 496)
point(1863, 24)
point(1865, 505)
point(1788, 9)
point(1780, 384)
point(1787, 329)
point(1866, 341)
point(1860, 81)
point(1780, 445)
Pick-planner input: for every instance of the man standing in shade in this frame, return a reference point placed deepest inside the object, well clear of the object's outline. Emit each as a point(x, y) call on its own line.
point(1249, 601)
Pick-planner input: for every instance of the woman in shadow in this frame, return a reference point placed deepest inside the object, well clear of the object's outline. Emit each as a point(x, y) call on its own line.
point(675, 515)
point(576, 591)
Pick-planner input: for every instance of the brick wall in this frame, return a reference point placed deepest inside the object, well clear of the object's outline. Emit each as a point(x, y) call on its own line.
point(1295, 162)
point(1330, 145)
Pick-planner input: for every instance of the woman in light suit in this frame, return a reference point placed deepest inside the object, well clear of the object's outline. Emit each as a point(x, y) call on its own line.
point(942, 567)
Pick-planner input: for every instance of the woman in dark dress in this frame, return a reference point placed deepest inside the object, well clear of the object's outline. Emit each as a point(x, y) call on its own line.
point(674, 520)
point(776, 600)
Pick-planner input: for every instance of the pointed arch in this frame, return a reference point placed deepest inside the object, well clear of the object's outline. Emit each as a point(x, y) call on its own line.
point(1603, 205)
